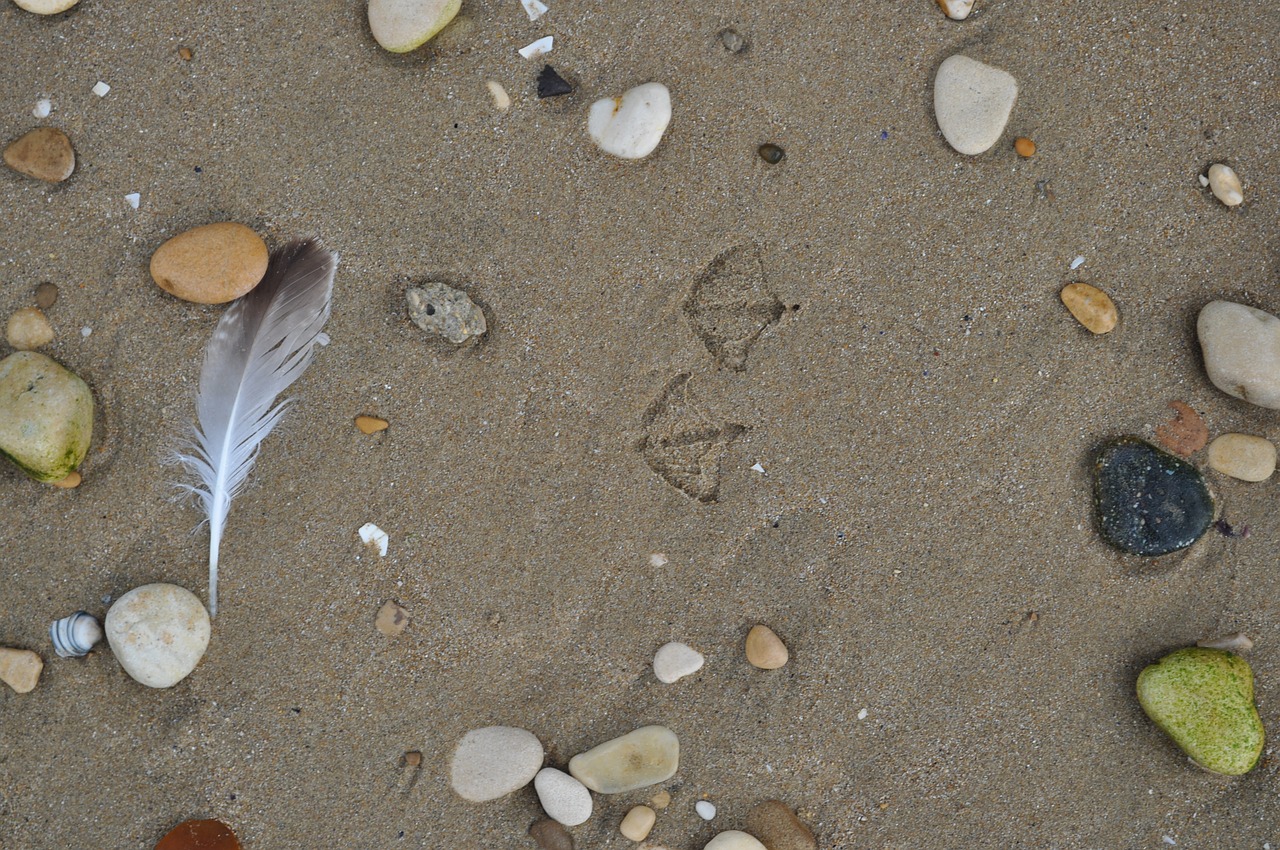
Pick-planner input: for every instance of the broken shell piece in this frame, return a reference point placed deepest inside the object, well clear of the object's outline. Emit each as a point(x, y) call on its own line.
point(956, 10)
point(74, 636)
point(371, 535)
point(538, 48)
point(631, 126)
point(1225, 185)
point(534, 9)
point(1236, 642)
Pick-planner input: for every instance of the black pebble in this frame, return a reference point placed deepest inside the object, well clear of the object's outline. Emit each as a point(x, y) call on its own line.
point(551, 84)
point(771, 154)
point(1149, 502)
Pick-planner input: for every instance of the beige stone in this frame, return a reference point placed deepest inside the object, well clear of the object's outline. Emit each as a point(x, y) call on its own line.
point(647, 756)
point(391, 619)
point(1225, 185)
point(1092, 307)
point(956, 10)
point(46, 295)
point(637, 823)
point(46, 7)
point(765, 649)
point(371, 424)
point(28, 329)
point(71, 482)
point(778, 828)
point(733, 839)
point(210, 264)
point(1243, 456)
point(661, 800)
point(45, 154)
point(1241, 347)
point(159, 633)
point(20, 669)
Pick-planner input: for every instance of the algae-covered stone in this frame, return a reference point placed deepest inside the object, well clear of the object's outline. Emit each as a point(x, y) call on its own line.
point(1203, 699)
point(46, 416)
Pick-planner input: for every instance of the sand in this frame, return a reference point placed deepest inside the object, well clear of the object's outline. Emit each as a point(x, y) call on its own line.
point(924, 409)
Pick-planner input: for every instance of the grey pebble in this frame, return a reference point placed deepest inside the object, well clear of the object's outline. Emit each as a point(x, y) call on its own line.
point(448, 312)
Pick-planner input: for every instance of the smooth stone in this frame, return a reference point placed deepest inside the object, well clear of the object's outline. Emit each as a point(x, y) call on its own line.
point(551, 84)
point(1225, 185)
point(1148, 501)
point(403, 25)
point(391, 619)
point(778, 828)
point(676, 660)
point(210, 264)
point(1241, 347)
point(563, 798)
point(28, 329)
point(1243, 456)
point(370, 425)
point(45, 7)
point(446, 312)
point(200, 835)
point(972, 103)
point(551, 835)
point(734, 839)
point(492, 762)
point(647, 756)
point(159, 633)
point(771, 153)
point(765, 649)
point(705, 809)
point(20, 669)
point(1092, 307)
point(46, 295)
point(638, 823)
point(1024, 147)
point(46, 416)
point(956, 10)
point(1203, 699)
point(631, 126)
point(45, 153)
point(732, 40)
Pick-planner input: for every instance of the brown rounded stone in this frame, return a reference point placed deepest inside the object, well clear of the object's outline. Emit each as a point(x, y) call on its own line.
point(1025, 147)
point(45, 154)
point(46, 295)
point(765, 649)
point(778, 828)
point(551, 835)
point(210, 264)
point(1092, 307)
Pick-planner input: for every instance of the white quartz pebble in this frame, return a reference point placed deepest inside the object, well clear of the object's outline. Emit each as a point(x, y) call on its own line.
point(647, 756)
point(43, 107)
point(159, 633)
point(956, 10)
point(972, 102)
point(46, 7)
point(676, 660)
point(705, 809)
point(1241, 347)
point(492, 762)
point(403, 25)
point(631, 126)
point(563, 798)
point(100, 88)
point(1225, 185)
point(733, 840)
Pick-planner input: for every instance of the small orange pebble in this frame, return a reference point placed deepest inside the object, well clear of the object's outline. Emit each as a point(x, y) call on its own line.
point(371, 424)
point(1025, 147)
point(1186, 434)
point(412, 758)
point(1092, 307)
point(200, 835)
point(72, 480)
point(185, 54)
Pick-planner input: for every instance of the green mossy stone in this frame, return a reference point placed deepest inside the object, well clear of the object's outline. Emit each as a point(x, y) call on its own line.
point(1203, 699)
point(46, 416)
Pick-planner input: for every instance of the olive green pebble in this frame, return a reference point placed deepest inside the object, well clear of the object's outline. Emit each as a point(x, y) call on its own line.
point(1203, 699)
point(771, 153)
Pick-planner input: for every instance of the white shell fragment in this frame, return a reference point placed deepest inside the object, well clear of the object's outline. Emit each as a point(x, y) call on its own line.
point(956, 10)
point(972, 102)
point(1225, 185)
point(43, 107)
point(501, 99)
point(74, 636)
point(1077, 263)
point(1236, 642)
point(563, 798)
point(101, 89)
point(159, 633)
point(534, 9)
point(538, 48)
point(676, 660)
point(631, 126)
point(371, 535)
point(1204, 180)
point(133, 199)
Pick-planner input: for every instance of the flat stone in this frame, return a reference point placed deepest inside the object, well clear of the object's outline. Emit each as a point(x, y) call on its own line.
point(159, 633)
point(210, 264)
point(733, 839)
point(778, 828)
point(20, 669)
point(391, 619)
point(445, 311)
point(45, 153)
point(765, 649)
point(46, 7)
point(972, 102)
point(1148, 501)
point(551, 835)
point(647, 756)
point(1203, 699)
point(46, 416)
point(403, 25)
point(28, 329)
point(1186, 434)
point(492, 762)
point(676, 660)
point(200, 835)
point(1092, 307)
point(1241, 347)
point(1243, 456)
point(732, 40)
point(551, 84)
point(638, 823)
point(631, 126)
point(563, 798)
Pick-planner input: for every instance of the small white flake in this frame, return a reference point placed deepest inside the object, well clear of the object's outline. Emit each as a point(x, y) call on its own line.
point(134, 199)
point(538, 48)
point(86, 330)
point(1077, 262)
point(1168, 839)
point(374, 536)
point(1204, 180)
point(101, 89)
point(658, 559)
point(323, 338)
point(501, 99)
point(862, 715)
point(534, 9)
point(705, 809)
point(43, 107)
point(757, 467)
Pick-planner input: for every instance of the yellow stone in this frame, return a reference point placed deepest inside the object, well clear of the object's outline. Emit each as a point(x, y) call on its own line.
point(1243, 456)
point(1092, 307)
point(210, 264)
point(28, 329)
point(638, 822)
point(765, 649)
point(371, 424)
point(20, 669)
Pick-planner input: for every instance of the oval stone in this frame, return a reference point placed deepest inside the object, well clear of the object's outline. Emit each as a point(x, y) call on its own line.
point(563, 798)
point(1148, 501)
point(46, 7)
point(1243, 456)
point(159, 633)
point(45, 154)
point(972, 102)
point(403, 25)
point(1241, 347)
point(1092, 307)
point(733, 839)
point(210, 264)
point(492, 762)
point(647, 756)
point(631, 126)
point(46, 416)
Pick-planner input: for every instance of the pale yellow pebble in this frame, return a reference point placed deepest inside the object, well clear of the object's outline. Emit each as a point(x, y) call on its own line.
point(661, 800)
point(20, 669)
point(70, 482)
point(1243, 456)
point(765, 649)
point(501, 99)
point(28, 329)
point(371, 424)
point(1225, 185)
point(1092, 307)
point(638, 822)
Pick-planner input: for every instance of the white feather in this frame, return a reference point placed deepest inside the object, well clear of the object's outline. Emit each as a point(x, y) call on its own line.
point(263, 343)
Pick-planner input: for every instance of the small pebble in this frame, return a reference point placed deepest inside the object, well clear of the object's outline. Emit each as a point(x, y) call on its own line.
point(492, 762)
point(956, 10)
point(133, 199)
point(1225, 185)
point(732, 41)
point(159, 633)
point(1092, 307)
point(413, 758)
point(771, 153)
point(46, 295)
point(658, 559)
point(200, 835)
point(185, 54)
point(403, 25)
point(862, 714)
point(638, 823)
point(765, 649)
point(551, 84)
point(1149, 502)
point(28, 329)
point(43, 107)
point(100, 88)
point(371, 424)
point(1241, 347)
point(563, 798)
point(660, 800)
point(500, 97)
point(551, 835)
point(705, 809)
point(444, 311)
point(46, 416)
point(20, 669)
point(778, 828)
point(391, 619)
point(541, 47)
point(44, 153)
point(1243, 456)
point(647, 756)
point(71, 482)
point(46, 7)
point(86, 331)
point(734, 840)
point(1025, 147)
point(676, 660)
point(1186, 434)
point(631, 126)
point(972, 102)
point(210, 264)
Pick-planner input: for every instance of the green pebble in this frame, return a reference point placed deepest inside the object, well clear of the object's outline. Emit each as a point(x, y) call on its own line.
point(46, 416)
point(1203, 699)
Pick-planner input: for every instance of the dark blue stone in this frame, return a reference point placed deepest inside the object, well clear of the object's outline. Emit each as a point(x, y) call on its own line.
point(1149, 502)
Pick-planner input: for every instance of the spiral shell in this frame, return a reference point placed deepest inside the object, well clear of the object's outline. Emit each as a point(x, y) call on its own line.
point(74, 636)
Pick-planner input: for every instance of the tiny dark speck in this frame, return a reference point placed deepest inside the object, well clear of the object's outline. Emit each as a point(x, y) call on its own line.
point(884, 134)
point(551, 84)
point(431, 310)
point(199, 170)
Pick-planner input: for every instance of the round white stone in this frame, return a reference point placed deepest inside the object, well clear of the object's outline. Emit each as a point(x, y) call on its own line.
point(403, 25)
point(46, 7)
point(492, 762)
point(676, 660)
point(1243, 456)
point(972, 103)
point(705, 809)
point(1241, 348)
point(631, 126)
point(1225, 185)
point(563, 798)
point(733, 839)
point(159, 633)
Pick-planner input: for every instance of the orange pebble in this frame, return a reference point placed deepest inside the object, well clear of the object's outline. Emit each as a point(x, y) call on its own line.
point(72, 480)
point(1024, 146)
point(371, 424)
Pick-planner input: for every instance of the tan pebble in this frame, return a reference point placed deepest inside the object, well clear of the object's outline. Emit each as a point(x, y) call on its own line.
point(778, 828)
point(413, 758)
point(1243, 456)
point(661, 800)
point(70, 482)
point(956, 10)
point(551, 835)
point(638, 822)
point(1092, 307)
point(765, 649)
point(185, 54)
point(46, 295)
point(1025, 147)
point(45, 154)
point(501, 100)
point(210, 264)
point(1225, 185)
point(20, 669)
point(391, 619)
point(371, 424)
point(28, 329)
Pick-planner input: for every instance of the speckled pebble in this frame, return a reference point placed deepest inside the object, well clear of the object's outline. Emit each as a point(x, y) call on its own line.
point(492, 762)
point(563, 798)
point(158, 632)
point(28, 329)
point(210, 264)
point(444, 311)
point(1148, 501)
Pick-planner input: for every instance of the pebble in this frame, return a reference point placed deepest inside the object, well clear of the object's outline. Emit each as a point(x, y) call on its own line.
point(101, 89)
point(492, 762)
point(71, 482)
point(705, 809)
point(210, 264)
point(1241, 347)
point(1203, 699)
point(778, 828)
point(771, 153)
point(1243, 456)
point(501, 99)
point(445, 311)
point(638, 823)
point(185, 54)
point(46, 295)
point(563, 798)
point(42, 108)
point(46, 416)
point(413, 758)
point(956, 10)
point(732, 40)
point(676, 660)
point(1186, 434)
point(28, 328)
point(1092, 307)
point(403, 25)
point(45, 153)
point(46, 7)
point(20, 669)
point(200, 835)
point(391, 619)
point(551, 835)
point(972, 102)
point(551, 84)
point(765, 649)
point(733, 839)
point(371, 424)
point(1024, 147)
point(1225, 185)
point(159, 633)
point(631, 126)
point(1148, 501)
point(661, 800)
point(647, 756)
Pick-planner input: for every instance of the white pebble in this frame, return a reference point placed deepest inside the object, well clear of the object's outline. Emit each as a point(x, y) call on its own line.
point(1077, 262)
point(647, 756)
point(1241, 347)
point(862, 715)
point(134, 199)
point(501, 99)
point(492, 762)
point(631, 126)
point(101, 89)
point(705, 809)
point(86, 330)
point(755, 467)
point(972, 102)
point(370, 534)
point(534, 9)
point(1225, 185)
point(159, 633)
point(658, 559)
point(43, 107)
point(541, 47)
point(563, 798)
point(734, 839)
point(1204, 181)
point(676, 660)
point(956, 10)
